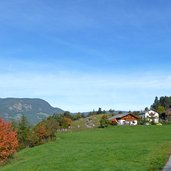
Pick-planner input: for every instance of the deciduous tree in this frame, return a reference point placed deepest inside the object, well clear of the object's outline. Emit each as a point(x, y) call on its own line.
point(104, 121)
point(41, 132)
point(8, 141)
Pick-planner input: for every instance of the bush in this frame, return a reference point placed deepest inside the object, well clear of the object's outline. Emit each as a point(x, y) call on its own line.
point(104, 121)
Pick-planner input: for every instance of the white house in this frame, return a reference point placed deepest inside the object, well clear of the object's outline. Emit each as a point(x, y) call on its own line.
point(152, 116)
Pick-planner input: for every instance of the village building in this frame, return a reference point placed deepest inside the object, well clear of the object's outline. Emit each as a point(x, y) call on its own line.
point(124, 119)
point(151, 116)
point(141, 115)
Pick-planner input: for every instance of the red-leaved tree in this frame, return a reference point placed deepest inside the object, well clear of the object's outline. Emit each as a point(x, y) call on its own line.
point(8, 141)
point(41, 132)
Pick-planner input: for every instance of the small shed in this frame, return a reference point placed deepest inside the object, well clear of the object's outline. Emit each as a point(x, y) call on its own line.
point(124, 119)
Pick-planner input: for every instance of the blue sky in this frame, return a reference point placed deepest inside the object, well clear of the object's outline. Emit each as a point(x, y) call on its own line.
point(80, 54)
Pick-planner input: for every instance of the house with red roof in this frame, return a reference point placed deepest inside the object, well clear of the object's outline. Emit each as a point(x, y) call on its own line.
point(124, 119)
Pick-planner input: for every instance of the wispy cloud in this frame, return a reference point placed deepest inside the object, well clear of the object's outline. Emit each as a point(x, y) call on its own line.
point(81, 92)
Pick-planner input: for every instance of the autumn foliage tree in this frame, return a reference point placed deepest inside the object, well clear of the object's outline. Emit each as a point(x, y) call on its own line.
point(52, 126)
point(41, 132)
point(46, 130)
point(65, 122)
point(8, 141)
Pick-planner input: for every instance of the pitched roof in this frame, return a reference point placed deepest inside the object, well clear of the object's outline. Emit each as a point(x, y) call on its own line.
point(121, 116)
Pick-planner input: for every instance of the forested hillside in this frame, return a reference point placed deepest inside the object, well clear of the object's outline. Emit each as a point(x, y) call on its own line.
point(34, 109)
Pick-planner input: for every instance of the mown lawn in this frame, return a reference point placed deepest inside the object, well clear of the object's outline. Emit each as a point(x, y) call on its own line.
point(126, 148)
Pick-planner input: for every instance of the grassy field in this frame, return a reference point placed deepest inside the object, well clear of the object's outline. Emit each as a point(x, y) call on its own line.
point(120, 148)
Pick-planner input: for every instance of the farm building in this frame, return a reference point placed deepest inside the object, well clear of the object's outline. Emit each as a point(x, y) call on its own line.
point(124, 119)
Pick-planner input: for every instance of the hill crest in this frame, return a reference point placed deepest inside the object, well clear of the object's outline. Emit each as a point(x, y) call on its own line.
point(35, 109)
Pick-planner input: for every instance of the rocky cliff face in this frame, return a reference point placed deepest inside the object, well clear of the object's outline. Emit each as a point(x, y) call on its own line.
point(34, 109)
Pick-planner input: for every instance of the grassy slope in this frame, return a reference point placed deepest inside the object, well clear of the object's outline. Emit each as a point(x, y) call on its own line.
point(133, 148)
point(82, 122)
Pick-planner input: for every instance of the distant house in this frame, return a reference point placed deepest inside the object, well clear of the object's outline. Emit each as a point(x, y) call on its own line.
point(152, 116)
point(142, 115)
point(124, 119)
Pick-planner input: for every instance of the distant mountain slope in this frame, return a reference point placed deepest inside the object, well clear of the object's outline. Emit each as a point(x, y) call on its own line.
point(34, 109)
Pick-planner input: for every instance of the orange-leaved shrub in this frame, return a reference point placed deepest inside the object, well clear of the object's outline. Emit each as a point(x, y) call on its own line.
point(8, 141)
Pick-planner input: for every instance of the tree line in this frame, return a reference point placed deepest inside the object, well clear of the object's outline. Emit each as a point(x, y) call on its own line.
point(20, 133)
point(161, 104)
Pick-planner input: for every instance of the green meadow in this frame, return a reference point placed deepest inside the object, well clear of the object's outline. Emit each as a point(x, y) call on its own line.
point(118, 148)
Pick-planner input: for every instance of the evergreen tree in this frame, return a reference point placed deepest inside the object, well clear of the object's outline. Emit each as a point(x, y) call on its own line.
point(164, 101)
point(22, 131)
point(99, 111)
point(155, 104)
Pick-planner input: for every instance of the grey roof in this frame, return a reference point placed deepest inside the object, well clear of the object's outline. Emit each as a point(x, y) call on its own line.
point(143, 113)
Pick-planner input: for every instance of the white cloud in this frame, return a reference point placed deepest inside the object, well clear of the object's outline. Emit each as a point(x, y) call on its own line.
point(83, 92)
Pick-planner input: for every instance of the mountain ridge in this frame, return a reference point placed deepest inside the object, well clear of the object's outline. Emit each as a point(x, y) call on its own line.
point(35, 109)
